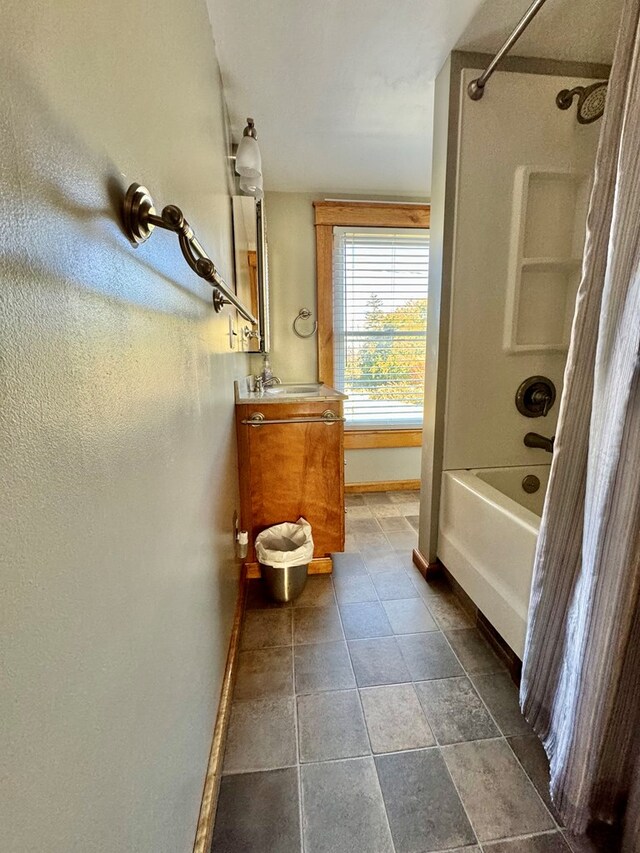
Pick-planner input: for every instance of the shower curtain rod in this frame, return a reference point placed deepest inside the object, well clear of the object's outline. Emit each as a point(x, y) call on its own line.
point(475, 89)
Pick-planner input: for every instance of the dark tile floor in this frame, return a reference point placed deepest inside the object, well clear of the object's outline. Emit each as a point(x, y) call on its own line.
point(371, 716)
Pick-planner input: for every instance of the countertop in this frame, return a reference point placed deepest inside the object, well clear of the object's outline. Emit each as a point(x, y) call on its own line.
point(295, 392)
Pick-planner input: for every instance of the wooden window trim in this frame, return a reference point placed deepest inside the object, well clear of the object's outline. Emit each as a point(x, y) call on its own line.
point(353, 214)
point(372, 214)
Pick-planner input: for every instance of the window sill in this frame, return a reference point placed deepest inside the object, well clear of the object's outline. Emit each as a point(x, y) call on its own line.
point(360, 439)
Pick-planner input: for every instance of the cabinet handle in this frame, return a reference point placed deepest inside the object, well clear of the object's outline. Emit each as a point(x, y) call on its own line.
point(327, 417)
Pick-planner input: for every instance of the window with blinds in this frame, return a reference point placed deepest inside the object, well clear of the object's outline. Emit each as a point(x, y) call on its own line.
point(380, 280)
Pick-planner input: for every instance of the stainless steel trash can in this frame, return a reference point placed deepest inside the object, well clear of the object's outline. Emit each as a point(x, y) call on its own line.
point(284, 552)
point(284, 583)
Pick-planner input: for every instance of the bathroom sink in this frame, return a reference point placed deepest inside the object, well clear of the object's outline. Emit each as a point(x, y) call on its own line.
point(293, 390)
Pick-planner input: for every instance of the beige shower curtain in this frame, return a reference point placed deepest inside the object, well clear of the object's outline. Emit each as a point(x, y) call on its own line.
point(581, 677)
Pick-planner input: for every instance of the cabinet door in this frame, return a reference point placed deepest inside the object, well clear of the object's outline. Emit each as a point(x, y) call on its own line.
point(296, 469)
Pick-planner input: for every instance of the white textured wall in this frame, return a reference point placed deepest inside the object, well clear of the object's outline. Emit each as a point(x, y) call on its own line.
point(292, 285)
point(117, 454)
point(516, 124)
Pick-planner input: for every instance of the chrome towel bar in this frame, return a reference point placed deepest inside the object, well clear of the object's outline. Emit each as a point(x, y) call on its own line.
point(327, 417)
point(140, 218)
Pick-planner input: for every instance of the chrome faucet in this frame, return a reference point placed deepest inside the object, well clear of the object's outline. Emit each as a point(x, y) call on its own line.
point(261, 384)
point(533, 439)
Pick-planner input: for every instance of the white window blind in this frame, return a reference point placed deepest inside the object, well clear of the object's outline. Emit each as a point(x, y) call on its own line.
point(380, 280)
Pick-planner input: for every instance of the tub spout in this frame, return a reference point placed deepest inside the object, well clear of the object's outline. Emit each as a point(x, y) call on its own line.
point(532, 439)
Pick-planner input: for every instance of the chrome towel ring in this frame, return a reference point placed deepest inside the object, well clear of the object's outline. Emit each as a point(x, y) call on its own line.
point(304, 314)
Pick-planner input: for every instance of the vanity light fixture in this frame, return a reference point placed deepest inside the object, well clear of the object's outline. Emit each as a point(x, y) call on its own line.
point(248, 158)
point(251, 186)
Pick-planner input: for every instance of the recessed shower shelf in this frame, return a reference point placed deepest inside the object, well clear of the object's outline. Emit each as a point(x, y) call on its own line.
point(547, 236)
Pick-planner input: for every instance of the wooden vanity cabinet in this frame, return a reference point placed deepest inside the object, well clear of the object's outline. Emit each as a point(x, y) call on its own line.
point(292, 469)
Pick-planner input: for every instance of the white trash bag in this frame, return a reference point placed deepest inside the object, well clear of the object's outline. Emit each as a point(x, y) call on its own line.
point(286, 544)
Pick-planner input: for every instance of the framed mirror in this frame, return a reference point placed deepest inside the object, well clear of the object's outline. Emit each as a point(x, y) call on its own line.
point(251, 266)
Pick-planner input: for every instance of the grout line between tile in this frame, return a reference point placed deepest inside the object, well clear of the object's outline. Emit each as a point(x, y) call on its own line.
point(372, 754)
point(438, 747)
point(384, 805)
point(503, 737)
point(296, 734)
point(485, 844)
point(455, 788)
point(252, 770)
point(524, 770)
point(506, 739)
point(261, 648)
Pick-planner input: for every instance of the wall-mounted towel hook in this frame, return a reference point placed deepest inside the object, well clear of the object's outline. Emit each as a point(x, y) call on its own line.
point(304, 314)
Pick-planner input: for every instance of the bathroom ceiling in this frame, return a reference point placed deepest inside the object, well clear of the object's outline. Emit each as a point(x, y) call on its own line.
point(342, 91)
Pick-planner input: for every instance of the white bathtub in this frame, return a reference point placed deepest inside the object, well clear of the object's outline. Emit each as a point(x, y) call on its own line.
point(487, 538)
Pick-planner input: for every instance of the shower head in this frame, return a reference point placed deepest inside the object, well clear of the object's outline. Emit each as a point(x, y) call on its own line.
point(591, 101)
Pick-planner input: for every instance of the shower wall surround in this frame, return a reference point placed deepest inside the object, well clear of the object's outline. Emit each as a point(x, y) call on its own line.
point(515, 131)
point(497, 314)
